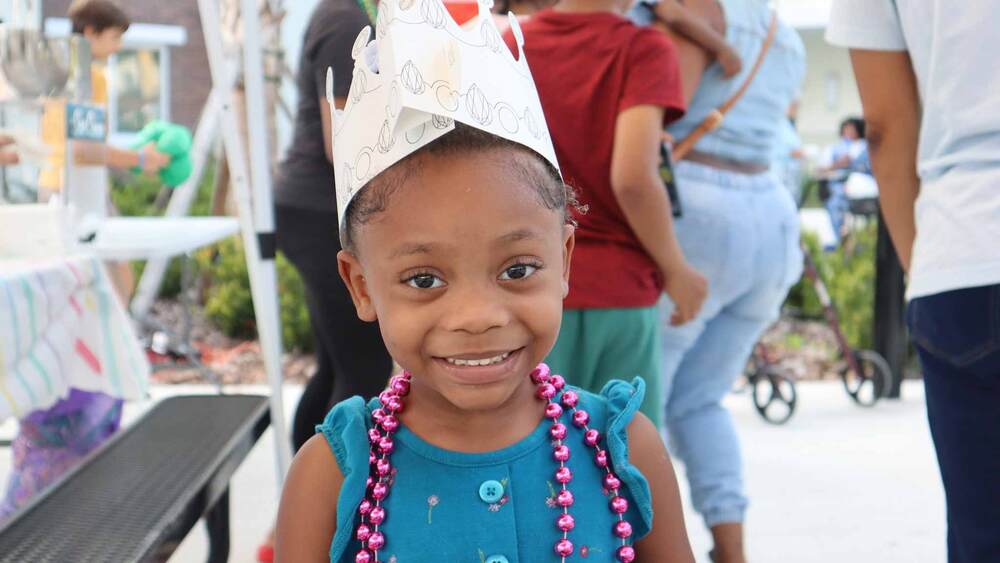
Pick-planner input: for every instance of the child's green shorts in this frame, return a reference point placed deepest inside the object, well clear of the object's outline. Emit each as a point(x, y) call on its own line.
point(598, 345)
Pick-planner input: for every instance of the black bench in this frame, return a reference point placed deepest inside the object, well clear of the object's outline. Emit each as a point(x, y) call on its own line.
point(136, 497)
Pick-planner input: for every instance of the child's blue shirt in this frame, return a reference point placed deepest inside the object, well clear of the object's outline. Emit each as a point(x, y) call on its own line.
point(493, 507)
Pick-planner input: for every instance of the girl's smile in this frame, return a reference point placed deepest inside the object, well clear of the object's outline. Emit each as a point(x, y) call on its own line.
point(482, 368)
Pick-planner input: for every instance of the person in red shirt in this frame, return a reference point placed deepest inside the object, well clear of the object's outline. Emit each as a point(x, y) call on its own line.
point(607, 88)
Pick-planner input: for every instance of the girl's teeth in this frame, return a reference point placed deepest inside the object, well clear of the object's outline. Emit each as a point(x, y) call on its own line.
point(482, 362)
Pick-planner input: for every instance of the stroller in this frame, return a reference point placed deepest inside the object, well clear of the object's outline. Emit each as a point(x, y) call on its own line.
point(866, 375)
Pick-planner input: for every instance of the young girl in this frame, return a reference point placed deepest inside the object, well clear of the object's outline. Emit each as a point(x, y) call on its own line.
point(460, 249)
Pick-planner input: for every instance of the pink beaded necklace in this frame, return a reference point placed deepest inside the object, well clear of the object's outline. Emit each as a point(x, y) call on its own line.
point(386, 421)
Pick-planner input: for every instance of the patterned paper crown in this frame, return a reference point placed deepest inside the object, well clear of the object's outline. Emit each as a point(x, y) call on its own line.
point(421, 74)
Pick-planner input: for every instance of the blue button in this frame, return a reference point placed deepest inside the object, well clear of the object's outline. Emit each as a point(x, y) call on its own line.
point(491, 492)
point(497, 559)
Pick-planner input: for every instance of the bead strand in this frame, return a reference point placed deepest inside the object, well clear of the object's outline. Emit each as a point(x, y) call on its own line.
point(371, 510)
point(548, 387)
point(618, 504)
point(386, 422)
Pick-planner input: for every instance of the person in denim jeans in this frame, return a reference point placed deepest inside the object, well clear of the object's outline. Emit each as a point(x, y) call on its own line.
point(740, 229)
point(928, 79)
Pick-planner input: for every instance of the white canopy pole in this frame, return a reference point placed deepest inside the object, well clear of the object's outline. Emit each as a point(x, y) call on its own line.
point(260, 267)
point(268, 318)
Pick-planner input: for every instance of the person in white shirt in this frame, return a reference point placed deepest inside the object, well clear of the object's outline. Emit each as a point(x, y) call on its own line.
point(929, 79)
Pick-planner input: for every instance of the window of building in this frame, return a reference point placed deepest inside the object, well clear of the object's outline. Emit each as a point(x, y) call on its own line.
point(137, 80)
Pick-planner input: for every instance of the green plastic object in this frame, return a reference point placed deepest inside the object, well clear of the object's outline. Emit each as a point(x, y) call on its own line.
point(174, 140)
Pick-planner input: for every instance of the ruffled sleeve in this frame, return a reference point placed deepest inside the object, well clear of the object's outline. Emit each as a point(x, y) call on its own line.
point(346, 431)
point(623, 401)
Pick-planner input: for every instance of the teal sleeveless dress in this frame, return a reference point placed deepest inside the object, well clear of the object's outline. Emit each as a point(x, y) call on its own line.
point(492, 507)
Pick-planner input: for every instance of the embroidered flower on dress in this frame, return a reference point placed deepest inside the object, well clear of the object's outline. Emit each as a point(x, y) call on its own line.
point(432, 501)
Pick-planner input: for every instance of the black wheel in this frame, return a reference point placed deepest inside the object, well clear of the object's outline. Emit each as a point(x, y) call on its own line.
point(774, 394)
point(867, 387)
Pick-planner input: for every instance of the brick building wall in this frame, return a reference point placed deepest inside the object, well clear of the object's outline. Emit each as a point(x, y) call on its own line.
point(190, 77)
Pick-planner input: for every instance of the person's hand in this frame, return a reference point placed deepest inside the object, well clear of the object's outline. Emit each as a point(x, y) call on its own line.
point(730, 61)
point(688, 289)
point(7, 156)
point(153, 160)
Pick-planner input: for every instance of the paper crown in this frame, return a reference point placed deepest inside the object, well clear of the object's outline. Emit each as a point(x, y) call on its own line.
point(421, 74)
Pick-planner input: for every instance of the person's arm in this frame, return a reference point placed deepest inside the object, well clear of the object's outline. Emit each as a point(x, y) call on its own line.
point(692, 58)
point(667, 542)
point(100, 154)
point(892, 115)
point(307, 516)
point(150, 159)
point(698, 29)
point(7, 157)
point(638, 188)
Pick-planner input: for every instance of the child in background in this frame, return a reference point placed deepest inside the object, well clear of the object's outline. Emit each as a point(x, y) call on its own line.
point(102, 23)
point(53, 441)
point(606, 108)
point(459, 245)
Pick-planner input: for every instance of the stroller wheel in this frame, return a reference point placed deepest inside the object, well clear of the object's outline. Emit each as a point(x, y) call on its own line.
point(867, 387)
point(774, 394)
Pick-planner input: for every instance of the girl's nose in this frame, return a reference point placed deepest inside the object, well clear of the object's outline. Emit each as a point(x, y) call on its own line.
point(475, 311)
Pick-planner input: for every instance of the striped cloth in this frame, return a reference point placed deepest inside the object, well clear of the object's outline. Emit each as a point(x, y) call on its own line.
point(62, 327)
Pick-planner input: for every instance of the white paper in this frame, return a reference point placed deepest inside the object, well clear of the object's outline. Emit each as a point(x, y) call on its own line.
point(430, 73)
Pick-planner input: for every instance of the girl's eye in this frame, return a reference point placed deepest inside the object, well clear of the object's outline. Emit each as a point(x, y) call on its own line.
point(518, 272)
point(425, 281)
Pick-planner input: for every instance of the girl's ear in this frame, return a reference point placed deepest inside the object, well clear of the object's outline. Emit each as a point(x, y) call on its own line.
point(353, 276)
point(569, 241)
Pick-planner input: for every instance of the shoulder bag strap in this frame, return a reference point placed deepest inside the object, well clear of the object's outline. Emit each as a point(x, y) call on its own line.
point(714, 119)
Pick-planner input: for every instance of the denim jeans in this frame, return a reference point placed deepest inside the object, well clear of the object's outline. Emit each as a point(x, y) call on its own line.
point(957, 335)
point(742, 233)
point(837, 206)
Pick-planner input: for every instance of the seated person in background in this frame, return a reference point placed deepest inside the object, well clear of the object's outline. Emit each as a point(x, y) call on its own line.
point(848, 154)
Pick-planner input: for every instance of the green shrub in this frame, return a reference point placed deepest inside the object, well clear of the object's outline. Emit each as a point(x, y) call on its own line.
point(135, 196)
point(849, 273)
point(229, 303)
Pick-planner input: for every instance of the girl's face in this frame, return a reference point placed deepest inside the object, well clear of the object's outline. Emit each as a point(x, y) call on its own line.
point(465, 270)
